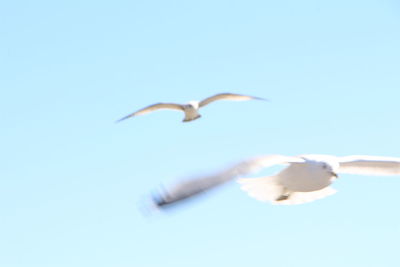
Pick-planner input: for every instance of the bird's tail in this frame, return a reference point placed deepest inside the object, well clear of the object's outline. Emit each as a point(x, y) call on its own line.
point(267, 189)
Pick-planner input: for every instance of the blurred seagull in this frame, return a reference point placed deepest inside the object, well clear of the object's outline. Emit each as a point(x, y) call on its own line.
point(306, 178)
point(191, 108)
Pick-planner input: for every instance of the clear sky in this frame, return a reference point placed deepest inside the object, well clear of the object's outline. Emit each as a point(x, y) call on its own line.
point(71, 180)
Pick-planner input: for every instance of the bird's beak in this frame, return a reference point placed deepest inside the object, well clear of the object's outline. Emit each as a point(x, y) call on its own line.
point(334, 174)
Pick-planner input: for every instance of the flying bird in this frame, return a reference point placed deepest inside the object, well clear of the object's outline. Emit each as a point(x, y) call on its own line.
point(192, 107)
point(306, 178)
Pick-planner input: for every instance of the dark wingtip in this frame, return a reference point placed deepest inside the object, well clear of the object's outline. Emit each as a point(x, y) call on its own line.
point(260, 98)
point(122, 119)
point(158, 200)
point(159, 197)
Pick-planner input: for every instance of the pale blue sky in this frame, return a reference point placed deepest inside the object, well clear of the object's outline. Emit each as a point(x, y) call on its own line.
point(71, 179)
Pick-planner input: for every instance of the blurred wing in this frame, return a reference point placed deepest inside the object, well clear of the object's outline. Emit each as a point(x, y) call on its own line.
point(152, 108)
point(189, 188)
point(227, 96)
point(369, 165)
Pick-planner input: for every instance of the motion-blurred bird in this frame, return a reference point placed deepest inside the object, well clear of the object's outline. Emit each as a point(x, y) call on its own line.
point(192, 107)
point(305, 179)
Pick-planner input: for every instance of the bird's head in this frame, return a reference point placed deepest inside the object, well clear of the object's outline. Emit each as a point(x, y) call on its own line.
point(323, 163)
point(194, 104)
point(329, 167)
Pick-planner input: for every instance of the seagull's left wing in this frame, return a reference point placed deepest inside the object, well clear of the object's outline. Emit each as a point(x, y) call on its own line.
point(369, 165)
point(227, 96)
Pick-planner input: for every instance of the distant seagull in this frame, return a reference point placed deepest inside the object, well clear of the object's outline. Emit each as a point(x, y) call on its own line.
point(305, 179)
point(191, 108)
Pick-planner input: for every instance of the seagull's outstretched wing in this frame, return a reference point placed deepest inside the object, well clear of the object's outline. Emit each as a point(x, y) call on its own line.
point(188, 188)
point(227, 96)
point(369, 165)
point(192, 187)
point(153, 107)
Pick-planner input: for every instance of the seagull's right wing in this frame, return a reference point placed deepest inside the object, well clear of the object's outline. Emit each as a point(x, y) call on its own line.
point(153, 107)
point(369, 165)
point(189, 188)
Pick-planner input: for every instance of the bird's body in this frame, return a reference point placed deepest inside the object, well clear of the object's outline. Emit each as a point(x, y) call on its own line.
point(191, 109)
point(305, 179)
point(309, 176)
point(297, 183)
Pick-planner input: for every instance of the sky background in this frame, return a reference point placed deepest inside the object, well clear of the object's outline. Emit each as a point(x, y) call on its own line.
point(72, 181)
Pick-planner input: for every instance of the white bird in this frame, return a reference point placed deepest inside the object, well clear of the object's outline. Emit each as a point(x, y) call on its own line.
point(306, 177)
point(192, 107)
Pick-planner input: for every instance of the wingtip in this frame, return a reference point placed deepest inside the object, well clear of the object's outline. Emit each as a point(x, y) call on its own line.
point(159, 197)
point(122, 119)
point(158, 200)
point(260, 98)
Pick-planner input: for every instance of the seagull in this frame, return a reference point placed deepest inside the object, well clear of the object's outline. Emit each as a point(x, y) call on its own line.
point(192, 107)
point(306, 178)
